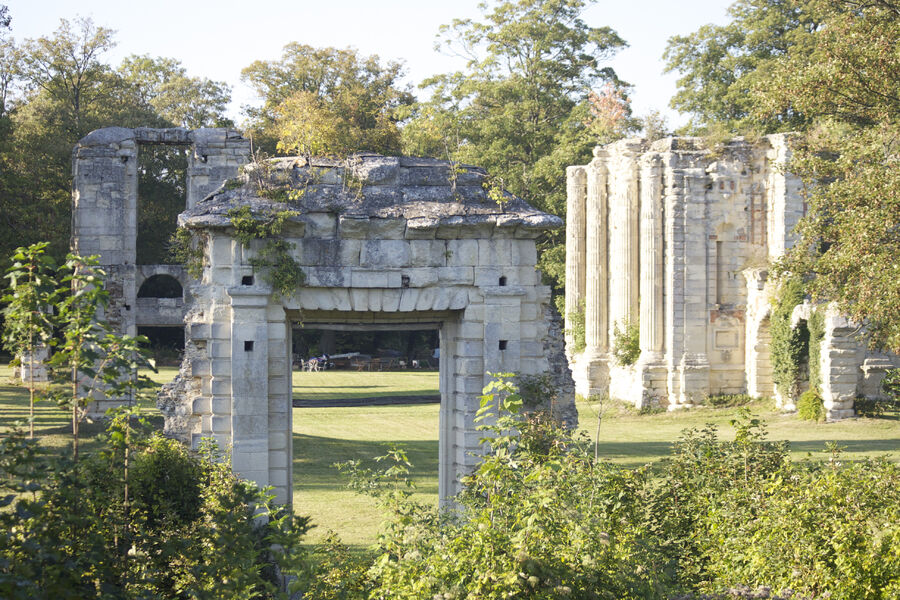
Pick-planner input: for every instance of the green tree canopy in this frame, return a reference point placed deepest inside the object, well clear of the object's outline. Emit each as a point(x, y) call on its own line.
point(520, 108)
point(829, 70)
point(849, 246)
point(326, 101)
point(720, 65)
point(57, 88)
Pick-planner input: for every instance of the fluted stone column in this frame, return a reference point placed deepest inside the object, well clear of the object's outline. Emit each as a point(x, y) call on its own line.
point(597, 272)
point(576, 194)
point(650, 364)
point(651, 268)
point(624, 238)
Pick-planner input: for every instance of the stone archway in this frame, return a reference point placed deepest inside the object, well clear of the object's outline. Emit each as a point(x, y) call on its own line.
point(412, 240)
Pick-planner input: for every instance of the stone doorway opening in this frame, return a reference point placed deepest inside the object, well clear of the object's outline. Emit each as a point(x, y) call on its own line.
point(440, 324)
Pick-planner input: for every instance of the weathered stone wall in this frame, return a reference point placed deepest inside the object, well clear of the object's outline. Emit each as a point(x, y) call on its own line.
point(382, 242)
point(694, 229)
point(105, 212)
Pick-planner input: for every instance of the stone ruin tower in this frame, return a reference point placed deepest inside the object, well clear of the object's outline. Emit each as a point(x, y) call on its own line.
point(383, 243)
point(105, 213)
point(677, 239)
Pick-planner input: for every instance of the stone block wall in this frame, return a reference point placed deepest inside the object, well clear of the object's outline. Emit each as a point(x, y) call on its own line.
point(105, 212)
point(411, 248)
point(678, 237)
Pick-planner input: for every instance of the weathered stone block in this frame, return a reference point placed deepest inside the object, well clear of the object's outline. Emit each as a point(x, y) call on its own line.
point(385, 253)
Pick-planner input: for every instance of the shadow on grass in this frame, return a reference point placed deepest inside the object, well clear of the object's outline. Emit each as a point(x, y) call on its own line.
point(858, 446)
point(314, 459)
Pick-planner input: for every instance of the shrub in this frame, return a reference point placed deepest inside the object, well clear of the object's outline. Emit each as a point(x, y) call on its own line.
point(729, 400)
point(810, 406)
point(790, 346)
point(541, 518)
point(173, 525)
point(626, 347)
point(577, 325)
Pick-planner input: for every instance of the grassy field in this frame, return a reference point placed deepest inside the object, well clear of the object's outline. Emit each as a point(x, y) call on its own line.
point(336, 385)
point(323, 436)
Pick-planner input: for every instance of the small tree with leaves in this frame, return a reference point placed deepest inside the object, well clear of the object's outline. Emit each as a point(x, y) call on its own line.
point(27, 323)
point(94, 358)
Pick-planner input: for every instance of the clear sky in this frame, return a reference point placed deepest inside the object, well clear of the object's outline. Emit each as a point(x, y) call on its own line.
point(216, 39)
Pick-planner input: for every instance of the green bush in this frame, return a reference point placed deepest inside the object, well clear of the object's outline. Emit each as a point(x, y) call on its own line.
point(540, 517)
point(626, 346)
point(729, 400)
point(810, 406)
point(140, 518)
point(577, 328)
point(790, 346)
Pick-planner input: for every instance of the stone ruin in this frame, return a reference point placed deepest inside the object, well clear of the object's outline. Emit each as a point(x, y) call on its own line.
point(677, 239)
point(384, 243)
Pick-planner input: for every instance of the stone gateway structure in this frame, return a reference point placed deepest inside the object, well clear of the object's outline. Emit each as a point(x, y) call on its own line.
point(382, 243)
point(676, 239)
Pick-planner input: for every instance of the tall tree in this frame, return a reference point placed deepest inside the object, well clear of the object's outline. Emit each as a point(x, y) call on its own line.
point(326, 101)
point(520, 108)
point(64, 88)
point(849, 84)
point(67, 67)
point(163, 86)
point(829, 70)
point(720, 64)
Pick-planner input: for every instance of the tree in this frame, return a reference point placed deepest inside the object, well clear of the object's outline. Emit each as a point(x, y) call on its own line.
point(59, 88)
point(27, 325)
point(163, 86)
point(520, 109)
point(67, 67)
point(719, 65)
point(849, 247)
point(326, 101)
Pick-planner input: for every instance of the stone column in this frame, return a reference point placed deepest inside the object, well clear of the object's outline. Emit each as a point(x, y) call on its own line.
point(650, 364)
point(623, 235)
point(576, 192)
point(651, 268)
point(785, 203)
point(842, 354)
point(597, 273)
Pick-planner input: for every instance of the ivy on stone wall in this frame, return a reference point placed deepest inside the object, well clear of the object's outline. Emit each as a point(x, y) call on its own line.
point(816, 326)
point(274, 259)
point(790, 346)
point(188, 249)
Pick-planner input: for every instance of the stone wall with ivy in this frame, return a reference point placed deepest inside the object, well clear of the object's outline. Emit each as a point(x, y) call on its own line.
point(368, 241)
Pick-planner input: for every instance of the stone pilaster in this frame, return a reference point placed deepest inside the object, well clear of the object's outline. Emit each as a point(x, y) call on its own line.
point(785, 204)
point(249, 424)
point(842, 354)
point(576, 193)
point(593, 369)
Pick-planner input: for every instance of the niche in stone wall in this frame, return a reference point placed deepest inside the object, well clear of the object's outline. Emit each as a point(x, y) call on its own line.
point(162, 193)
point(160, 286)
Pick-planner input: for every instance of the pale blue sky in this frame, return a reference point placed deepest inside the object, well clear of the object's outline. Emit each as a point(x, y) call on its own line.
point(217, 39)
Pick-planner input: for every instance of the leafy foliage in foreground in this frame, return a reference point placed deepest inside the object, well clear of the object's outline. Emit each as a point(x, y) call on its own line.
point(164, 524)
point(541, 518)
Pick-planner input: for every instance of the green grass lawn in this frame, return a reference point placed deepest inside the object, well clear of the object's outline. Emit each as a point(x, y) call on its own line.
point(323, 436)
point(336, 385)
